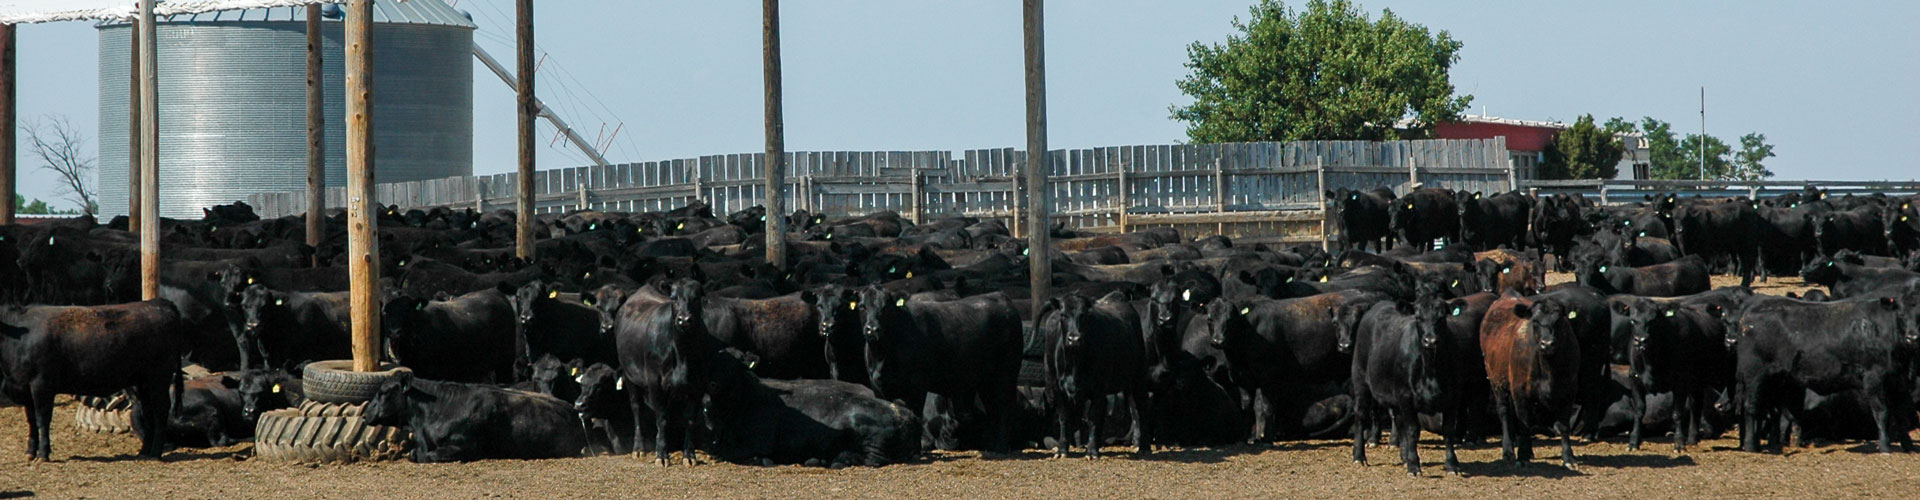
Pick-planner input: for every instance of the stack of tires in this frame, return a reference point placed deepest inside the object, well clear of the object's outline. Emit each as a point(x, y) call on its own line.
point(328, 428)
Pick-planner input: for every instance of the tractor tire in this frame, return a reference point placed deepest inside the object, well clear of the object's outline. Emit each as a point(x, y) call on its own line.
point(319, 432)
point(112, 415)
point(336, 382)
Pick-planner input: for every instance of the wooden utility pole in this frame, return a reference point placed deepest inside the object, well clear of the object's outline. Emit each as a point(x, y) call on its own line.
point(1039, 254)
point(523, 202)
point(149, 157)
point(8, 125)
point(316, 133)
point(363, 242)
point(133, 131)
point(776, 225)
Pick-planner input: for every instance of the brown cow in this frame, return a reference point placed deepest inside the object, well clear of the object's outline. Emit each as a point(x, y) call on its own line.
point(1532, 357)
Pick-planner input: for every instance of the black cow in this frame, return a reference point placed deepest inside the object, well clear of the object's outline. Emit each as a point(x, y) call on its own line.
point(208, 413)
point(1363, 218)
point(665, 349)
point(1533, 369)
point(1425, 215)
point(1846, 279)
point(288, 329)
point(1725, 229)
point(835, 308)
point(1274, 346)
point(777, 330)
point(1490, 222)
point(813, 422)
point(1686, 276)
point(1557, 223)
point(1404, 361)
point(263, 391)
point(455, 422)
point(967, 350)
point(464, 339)
point(91, 351)
point(602, 403)
point(1094, 349)
point(1865, 343)
point(1860, 230)
point(565, 325)
point(1675, 348)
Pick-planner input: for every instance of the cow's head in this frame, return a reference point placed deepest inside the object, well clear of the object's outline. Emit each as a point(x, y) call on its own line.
point(398, 313)
point(835, 305)
point(389, 405)
point(1165, 298)
point(1548, 323)
point(880, 309)
point(1346, 319)
point(1074, 311)
point(600, 385)
point(263, 391)
point(1224, 320)
point(607, 300)
point(1907, 308)
point(1430, 315)
point(550, 373)
point(1590, 268)
point(686, 300)
point(1822, 271)
point(525, 296)
point(258, 306)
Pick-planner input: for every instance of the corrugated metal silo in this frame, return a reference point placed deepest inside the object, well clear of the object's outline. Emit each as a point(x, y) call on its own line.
point(233, 102)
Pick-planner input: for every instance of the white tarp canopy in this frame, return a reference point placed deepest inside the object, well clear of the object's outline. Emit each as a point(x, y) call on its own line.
point(46, 11)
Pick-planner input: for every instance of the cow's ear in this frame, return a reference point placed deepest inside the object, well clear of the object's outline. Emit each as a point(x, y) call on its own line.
point(1523, 310)
point(1404, 307)
point(1245, 276)
point(91, 256)
point(1889, 303)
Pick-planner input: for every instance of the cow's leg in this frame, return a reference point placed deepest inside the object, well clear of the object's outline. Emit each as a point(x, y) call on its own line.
point(151, 405)
point(1682, 419)
point(1139, 407)
point(1451, 423)
point(1750, 416)
point(689, 415)
point(32, 406)
point(1500, 408)
point(1638, 402)
point(660, 416)
point(1362, 422)
point(1063, 415)
point(1261, 413)
point(1406, 430)
point(636, 403)
point(1565, 430)
point(1878, 398)
point(1095, 413)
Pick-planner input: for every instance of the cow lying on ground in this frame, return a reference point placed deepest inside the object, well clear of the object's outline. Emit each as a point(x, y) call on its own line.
point(455, 422)
point(812, 422)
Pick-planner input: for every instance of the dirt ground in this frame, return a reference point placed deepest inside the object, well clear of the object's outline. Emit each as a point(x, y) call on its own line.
point(91, 465)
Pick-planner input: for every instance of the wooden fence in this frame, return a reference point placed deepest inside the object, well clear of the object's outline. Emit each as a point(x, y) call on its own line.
point(1265, 191)
point(1629, 191)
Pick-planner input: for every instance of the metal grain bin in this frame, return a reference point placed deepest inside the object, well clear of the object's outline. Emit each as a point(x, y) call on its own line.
point(233, 102)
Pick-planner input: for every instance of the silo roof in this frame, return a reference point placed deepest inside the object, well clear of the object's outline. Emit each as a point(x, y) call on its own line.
point(428, 12)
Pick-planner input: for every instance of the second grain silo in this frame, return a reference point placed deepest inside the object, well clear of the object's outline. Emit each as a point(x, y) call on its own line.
point(233, 102)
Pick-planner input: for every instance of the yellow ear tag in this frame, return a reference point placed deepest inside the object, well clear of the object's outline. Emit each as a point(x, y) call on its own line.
point(1245, 310)
point(900, 302)
point(1669, 314)
point(1573, 314)
point(1186, 294)
point(1323, 279)
point(682, 225)
point(751, 364)
point(276, 388)
point(851, 305)
point(909, 274)
point(553, 294)
point(250, 280)
point(573, 371)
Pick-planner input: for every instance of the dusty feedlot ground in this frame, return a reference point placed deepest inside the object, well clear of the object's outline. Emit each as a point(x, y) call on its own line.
point(101, 466)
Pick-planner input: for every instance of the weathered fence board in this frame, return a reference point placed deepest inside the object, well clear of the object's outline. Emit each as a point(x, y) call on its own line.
point(1263, 191)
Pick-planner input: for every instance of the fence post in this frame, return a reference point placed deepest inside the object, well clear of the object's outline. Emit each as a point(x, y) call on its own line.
point(1320, 175)
point(1413, 174)
point(915, 193)
point(1220, 196)
point(1753, 192)
point(699, 193)
point(1126, 197)
point(1603, 193)
point(583, 195)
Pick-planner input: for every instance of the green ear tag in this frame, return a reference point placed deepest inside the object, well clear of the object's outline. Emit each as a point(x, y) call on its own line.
point(1669, 314)
point(1456, 311)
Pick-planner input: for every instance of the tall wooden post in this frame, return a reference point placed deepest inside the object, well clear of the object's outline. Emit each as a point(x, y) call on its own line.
point(133, 131)
point(1039, 249)
point(363, 242)
point(528, 109)
point(8, 125)
point(776, 226)
point(316, 134)
point(149, 157)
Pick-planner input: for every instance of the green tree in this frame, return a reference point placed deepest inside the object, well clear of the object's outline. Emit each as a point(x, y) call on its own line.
point(1328, 72)
point(20, 206)
point(1618, 125)
point(1583, 151)
point(1665, 160)
point(1719, 164)
point(1747, 162)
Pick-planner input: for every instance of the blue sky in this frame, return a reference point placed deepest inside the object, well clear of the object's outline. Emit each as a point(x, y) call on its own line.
point(1833, 86)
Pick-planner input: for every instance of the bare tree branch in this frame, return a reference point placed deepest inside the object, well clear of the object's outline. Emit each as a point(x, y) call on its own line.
point(62, 149)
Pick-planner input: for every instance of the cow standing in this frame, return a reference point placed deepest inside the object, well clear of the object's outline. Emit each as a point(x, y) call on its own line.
point(1094, 349)
point(1532, 360)
point(92, 351)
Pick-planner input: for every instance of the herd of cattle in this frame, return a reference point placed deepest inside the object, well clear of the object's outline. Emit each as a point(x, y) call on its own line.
point(881, 338)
